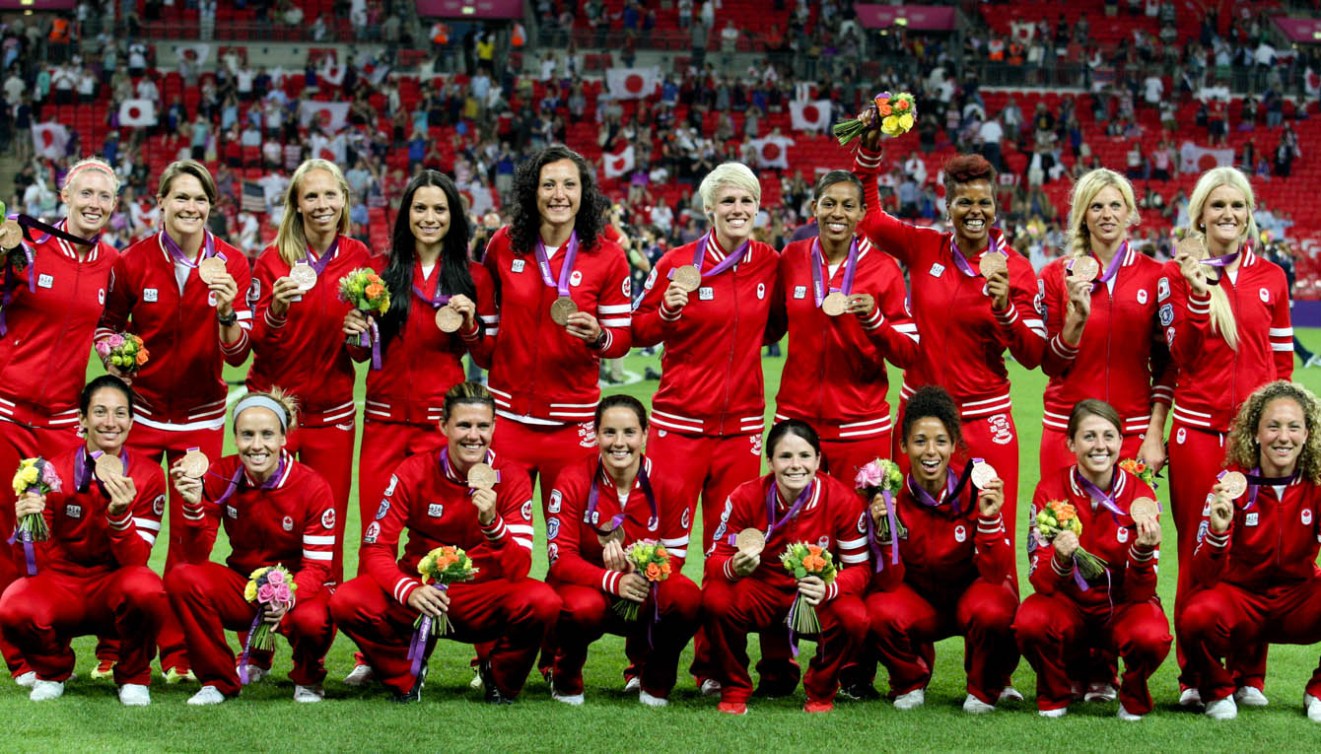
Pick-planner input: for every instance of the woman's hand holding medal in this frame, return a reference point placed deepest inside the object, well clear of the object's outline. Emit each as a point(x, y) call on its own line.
point(285, 291)
point(676, 297)
point(122, 491)
point(1188, 254)
point(997, 280)
point(465, 307)
point(583, 326)
point(1222, 507)
point(484, 500)
point(744, 562)
point(222, 284)
point(991, 498)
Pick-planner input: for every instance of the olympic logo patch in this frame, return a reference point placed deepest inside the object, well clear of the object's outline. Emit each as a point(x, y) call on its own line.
point(287, 524)
point(373, 531)
point(960, 534)
point(328, 519)
point(158, 505)
point(576, 279)
point(556, 501)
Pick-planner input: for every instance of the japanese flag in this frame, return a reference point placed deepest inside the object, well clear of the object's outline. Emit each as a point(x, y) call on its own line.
point(810, 115)
point(331, 116)
point(618, 164)
point(49, 140)
point(137, 113)
point(331, 71)
point(773, 151)
point(197, 54)
point(632, 83)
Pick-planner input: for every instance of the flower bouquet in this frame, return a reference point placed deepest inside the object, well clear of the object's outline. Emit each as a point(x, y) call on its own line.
point(882, 476)
point(803, 560)
point(652, 561)
point(444, 566)
point(1058, 516)
point(365, 291)
point(1140, 470)
point(894, 116)
point(35, 475)
point(123, 350)
point(274, 586)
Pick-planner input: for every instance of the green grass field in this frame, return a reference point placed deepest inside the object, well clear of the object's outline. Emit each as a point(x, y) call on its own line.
point(89, 717)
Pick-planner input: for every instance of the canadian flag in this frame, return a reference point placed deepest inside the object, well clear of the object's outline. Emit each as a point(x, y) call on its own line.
point(49, 139)
point(137, 113)
point(618, 164)
point(810, 115)
point(773, 151)
point(632, 83)
point(330, 116)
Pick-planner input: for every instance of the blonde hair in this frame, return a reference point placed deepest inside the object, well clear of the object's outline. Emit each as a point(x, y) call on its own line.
point(91, 164)
point(1222, 316)
point(734, 174)
point(1243, 450)
point(277, 396)
point(1084, 192)
point(291, 241)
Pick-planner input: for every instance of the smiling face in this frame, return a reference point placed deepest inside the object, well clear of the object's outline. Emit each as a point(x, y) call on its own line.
point(928, 447)
point(621, 439)
point(559, 192)
point(1107, 218)
point(1224, 217)
point(429, 217)
point(732, 213)
point(838, 211)
point(320, 203)
point(469, 429)
point(259, 439)
point(185, 208)
point(1281, 435)
point(971, 213)
point(1096, 445)
point(794, 462)
point(107, 421)
point(91, 199)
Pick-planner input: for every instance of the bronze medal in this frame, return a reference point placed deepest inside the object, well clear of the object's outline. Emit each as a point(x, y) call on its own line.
point(481, 477)
point(992, 263)
point(1144, 508)
point(448, 320)
point(1085, 268)
point(983, 474)
point(304, 276)
point(108, 466)
point(11, 234)
point(750, 541)
point(1234, 484)
point(615, 535)
point(835, 304)
point(210, 268)
point(687, 278)
point(194, 464)
point(1190, 246)
point(561, 309)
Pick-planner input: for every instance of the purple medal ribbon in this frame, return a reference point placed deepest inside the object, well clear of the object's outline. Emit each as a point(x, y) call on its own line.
point(1098, 495)
point(83, 475)
point(449, 470)
point(773, 497)
point(176, 251)
point(594, 495)
point(436, 301)
point(320, 263)
point(960, 261)
point(566, 270)
point(725, 263)
point(1223, 262)
point(237, 479)
point(850, 268)
point(1112, 269)
point(1256, 481)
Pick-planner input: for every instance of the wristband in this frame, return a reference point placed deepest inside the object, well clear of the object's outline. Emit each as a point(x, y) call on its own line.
point(227, 320)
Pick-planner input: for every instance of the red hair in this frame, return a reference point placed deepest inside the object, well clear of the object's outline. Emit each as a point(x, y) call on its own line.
point(967, 168)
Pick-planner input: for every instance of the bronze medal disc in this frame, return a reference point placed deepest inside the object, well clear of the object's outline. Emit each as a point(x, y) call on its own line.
point(1235, 484)
point(561, 309)
point(11, 234)
point(687, 278)
point(303, 275)
point(1085, 268)
point(1190, 246)
point(750, 541)
point(448, 320)
point(983, 474)
point(210, 268)
point(194, 464)
point(835, 304)
point(481, 477)
point(992, 262)
point(108, 466)
point(616, 535)
point(1144, 508)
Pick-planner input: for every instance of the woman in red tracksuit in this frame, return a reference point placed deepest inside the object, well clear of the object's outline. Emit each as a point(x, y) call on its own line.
point(428, 270)
point(192, 329)
point(978, 317)
point(835, 372)
point(430, 496)
point(276, 511)
point(297, 340)
point(92, 574)
point(554, 260)
point(745, 591)
point(48, 311)
point(1106, 340)
point(1229, 333)
point(1069, 618)
point(1254, 576)
point(588, 569)
point(952, 574)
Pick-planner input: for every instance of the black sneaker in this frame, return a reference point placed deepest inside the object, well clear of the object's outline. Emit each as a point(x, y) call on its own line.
point(650, 374)
point(860, 692)
point(414, 694)
point(493, 695)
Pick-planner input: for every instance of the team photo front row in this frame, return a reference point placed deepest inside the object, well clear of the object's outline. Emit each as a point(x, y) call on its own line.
point(874, 570)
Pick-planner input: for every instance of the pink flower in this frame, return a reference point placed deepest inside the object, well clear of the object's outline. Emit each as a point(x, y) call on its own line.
point(115, 341)
point(49, 477)
point(870, 475)
point(102, 348)
point(283, 595)
point(265, 593)
point(275, 576)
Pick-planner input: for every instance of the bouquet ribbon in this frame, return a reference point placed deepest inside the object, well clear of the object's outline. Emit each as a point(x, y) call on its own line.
point(772, 497)
point(247, 647)
point(850, 268)
point(29, 222)
point(1256, 480)
point(998, 242)
point(372, 337)
point(561, 286)
point(876, 555)
point(594, 495)
point(417, 647)
point(29, 550)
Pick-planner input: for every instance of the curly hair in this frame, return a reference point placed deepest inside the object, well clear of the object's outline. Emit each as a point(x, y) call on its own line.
point(931, 401)
point(1244, 451)
point(525, 226)
point(966, 168)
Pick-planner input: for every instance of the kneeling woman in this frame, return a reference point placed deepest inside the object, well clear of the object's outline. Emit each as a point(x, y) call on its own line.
point(954, 572)
point(459, 496)
point(598, 510)
point(276, 511)
point(1071, 618)
point(748, 589)
point(92, 575)
point(1254, 570)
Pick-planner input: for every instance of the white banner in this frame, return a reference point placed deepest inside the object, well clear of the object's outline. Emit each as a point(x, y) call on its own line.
point(773, 151)
point(196, 54)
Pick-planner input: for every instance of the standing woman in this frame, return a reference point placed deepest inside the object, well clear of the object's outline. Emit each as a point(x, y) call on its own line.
point(1069, 618)
point(49, 307)
point(834, 374)
point(1106, 341)
point(92, 575)
point(297, 339)
point(981, 292)
point(1254, 569)
point(181, 292)
point(565, 304)
point(1226, 317)
point(275, 511)
point(432, 282)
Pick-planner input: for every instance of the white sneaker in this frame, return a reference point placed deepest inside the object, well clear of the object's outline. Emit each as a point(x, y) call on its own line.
point(309, 694)
point(476, 682)
point(1312, 706)
point(1053, 713)
point(1222, 709)
point(633, 685)
point(1314, 360)
point(26, 679)
point(361, 675)
point(573, 700)
point(1010, 694)
point(1190, 698)
point(1100, 692)
point(912, 700)
point(656, 701)
point(134, 695)
point(710, 687)
point(1250, 696)
point(256, 673)
point(206, 696)
point(1127, 716)
point(44, 691)
point(974, 706)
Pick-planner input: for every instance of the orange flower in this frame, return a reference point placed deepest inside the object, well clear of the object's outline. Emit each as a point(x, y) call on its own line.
point(653, 572)
point(660, 552)
point(884, 109)
point(665, 568)
point(375, 290)
point(141, 358)
point(1065, 512)
point(814, 550)
point(901, 105)
point(814, 563)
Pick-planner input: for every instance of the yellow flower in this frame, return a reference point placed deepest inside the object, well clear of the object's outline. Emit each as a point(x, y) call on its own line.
point(906, 121)
point(250, 591)
point(890, 126)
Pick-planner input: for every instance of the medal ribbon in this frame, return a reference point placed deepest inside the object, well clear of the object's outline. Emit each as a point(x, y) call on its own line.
point(998, 243)
point(449, 470)
point(1223, 262)
point(1112, 269)
point(850, 267)
point(1098, 495)
point(543, 265)
point(594, 495)
point(320, 264)
point(773, 497)
point(1256, 480)
point(237, 479)
point(208, 249)
point(725, 263)
point(435, 301)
